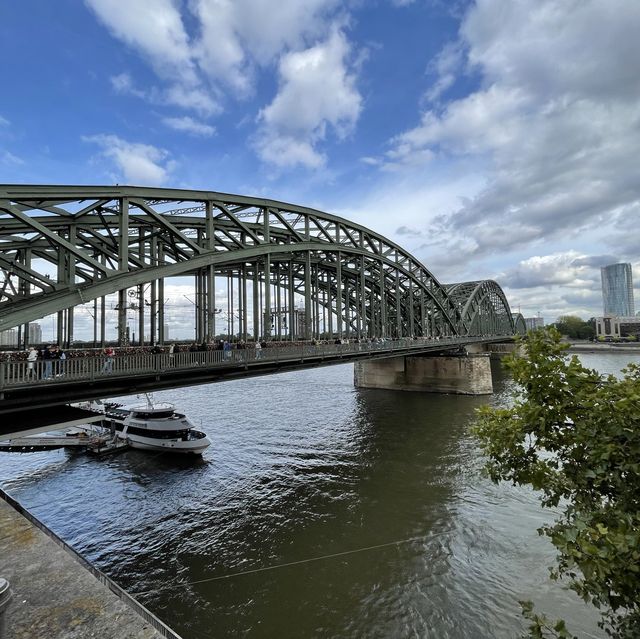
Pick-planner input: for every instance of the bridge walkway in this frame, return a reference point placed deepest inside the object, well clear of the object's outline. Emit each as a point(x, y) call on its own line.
point(90, 368)
point(83, 378)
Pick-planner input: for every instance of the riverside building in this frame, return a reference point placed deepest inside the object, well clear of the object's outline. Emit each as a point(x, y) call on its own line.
point(617, 290)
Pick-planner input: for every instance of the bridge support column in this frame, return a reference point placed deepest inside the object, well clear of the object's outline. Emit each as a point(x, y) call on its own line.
point(459, 374)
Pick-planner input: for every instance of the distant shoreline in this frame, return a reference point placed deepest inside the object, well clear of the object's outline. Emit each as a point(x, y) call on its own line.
point(590, 347)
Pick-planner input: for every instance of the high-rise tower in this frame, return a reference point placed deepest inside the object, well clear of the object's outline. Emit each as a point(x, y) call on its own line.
point(617, 290)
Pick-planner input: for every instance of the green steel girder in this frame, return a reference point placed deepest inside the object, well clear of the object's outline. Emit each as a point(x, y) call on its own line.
point(483, 305)
point(519, 323)
point(68, 241)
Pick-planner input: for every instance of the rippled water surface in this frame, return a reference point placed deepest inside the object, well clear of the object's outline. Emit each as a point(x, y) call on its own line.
point(255, 538)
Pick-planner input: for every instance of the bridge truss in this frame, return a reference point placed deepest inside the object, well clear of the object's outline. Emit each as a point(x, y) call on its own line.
point(290, 272)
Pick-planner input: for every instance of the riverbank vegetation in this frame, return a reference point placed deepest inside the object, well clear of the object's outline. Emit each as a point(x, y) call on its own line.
point(573, 435)
point(574, 327)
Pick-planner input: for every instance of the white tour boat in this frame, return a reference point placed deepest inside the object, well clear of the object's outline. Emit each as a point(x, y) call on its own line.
point(156, 427)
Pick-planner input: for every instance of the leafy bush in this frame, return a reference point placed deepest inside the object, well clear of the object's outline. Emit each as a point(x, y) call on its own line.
point(574, 435)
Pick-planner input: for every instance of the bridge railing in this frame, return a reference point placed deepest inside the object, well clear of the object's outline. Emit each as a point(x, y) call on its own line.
point(90, 368)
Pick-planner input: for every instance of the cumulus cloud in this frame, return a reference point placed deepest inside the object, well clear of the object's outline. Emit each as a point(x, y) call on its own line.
point(317, 92)
point(226, 42)
point(155, 29)
point(406, 230)
point(194, 98)
point(238, 35)
point(595, 261)
point(584, 298)
point(555, 122)
point(230, 39)
point(191, 98)
point(136, 163)
point(565, 283)
point(189, 125)
point(544, 270)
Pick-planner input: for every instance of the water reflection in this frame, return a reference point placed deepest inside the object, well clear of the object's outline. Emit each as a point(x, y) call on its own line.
point(304, 466)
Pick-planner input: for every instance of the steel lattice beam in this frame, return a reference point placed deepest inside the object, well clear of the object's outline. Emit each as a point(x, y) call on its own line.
point(61, 246)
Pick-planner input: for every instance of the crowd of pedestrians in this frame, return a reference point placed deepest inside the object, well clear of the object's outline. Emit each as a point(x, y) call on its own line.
point(53, 358)
point(54, 352)
point(51, 361)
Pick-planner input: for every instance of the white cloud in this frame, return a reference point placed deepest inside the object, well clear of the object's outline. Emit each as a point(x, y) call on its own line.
point(187, 97)
point(317, 92)
point(137, 163)
point(595, 261)
point(192, 98)
point(189, 125)
point(445, 66)
point(123, 83)
point(238, 35)
point(4, 121)
point(407, 230)
point(547, 270)
point(554, 122)
point(562, 283)
point(230, 41)
point(153, 28)
point(6, 157)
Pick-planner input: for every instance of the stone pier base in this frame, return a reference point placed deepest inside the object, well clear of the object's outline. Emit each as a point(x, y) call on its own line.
point(465, 375)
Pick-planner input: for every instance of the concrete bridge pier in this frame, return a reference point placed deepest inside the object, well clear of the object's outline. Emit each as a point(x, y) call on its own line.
point(464, 374)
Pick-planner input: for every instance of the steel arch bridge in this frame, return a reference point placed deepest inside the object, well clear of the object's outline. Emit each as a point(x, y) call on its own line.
point(292, 272)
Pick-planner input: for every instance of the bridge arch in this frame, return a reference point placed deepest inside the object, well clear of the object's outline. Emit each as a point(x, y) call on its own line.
point(520, 325)
point(316, 273)
point(484, 308)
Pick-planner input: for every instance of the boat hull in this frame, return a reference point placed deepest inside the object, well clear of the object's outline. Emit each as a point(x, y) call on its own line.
point(196, 447)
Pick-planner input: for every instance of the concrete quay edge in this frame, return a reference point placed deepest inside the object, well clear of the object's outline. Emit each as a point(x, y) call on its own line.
point(57, 593)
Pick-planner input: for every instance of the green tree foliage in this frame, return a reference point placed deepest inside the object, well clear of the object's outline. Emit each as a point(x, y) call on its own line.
point(575, 328)
point(574, 435)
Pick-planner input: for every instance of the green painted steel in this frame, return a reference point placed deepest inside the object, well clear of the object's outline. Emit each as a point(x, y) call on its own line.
point(62, 246)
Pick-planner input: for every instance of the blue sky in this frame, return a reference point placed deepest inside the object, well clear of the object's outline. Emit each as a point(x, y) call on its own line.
point(493, 139)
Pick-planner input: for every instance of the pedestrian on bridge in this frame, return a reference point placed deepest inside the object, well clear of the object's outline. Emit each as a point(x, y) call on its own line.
point(258, 347)
point(47, 356)
point(108, 360)
point(32, 358)
point(61, 358)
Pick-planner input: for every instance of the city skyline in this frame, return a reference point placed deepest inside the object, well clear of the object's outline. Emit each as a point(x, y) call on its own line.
point(483, 136)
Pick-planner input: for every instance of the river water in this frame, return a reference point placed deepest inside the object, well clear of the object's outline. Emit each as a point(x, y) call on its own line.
point(320, 510)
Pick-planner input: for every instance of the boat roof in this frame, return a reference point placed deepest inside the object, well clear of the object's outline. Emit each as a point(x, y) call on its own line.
point(159, 407)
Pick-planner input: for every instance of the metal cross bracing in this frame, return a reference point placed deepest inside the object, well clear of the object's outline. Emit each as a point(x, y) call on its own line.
point(288, 272)
point(484, 308)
